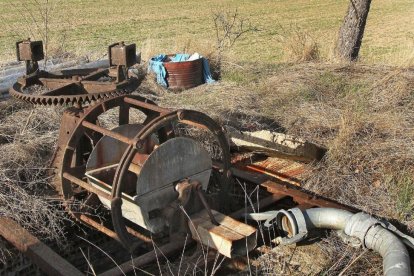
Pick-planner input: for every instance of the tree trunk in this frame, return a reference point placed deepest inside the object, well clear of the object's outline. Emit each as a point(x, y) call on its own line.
point(352, 30)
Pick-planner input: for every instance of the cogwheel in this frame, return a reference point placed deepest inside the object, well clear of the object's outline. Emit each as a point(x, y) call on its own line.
point(69, 94)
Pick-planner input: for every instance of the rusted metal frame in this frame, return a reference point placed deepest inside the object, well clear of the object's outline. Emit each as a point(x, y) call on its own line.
point(146, 105)
point(201, 120)
point(39, 253)
point(153, 126)
point(108, 132)
point(281, 188)
point(90, 114)
point(53, 83)
point(30, 52)
point(93, 87)
point(91, 90)
point(147, 258)
point(139, 235)
point(123, 114)
point(310, 200)
point(187, 122)
point(273, 173)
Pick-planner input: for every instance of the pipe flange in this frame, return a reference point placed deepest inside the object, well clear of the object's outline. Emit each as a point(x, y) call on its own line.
point(297, 229)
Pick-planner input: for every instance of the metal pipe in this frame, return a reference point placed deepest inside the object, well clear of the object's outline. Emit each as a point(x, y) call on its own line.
point(327, 218)
point(371, 233)
point(396, 260)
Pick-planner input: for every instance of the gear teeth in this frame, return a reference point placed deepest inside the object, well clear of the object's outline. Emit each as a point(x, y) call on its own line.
point(70, 99)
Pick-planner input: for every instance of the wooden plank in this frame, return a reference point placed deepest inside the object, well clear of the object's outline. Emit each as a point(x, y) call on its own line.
point(40, 254)
point(229, 238)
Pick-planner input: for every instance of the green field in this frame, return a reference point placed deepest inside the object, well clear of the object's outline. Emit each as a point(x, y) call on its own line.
point(87, 27)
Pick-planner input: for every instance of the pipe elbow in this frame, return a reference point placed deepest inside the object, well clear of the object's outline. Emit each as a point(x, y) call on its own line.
point(396, 260)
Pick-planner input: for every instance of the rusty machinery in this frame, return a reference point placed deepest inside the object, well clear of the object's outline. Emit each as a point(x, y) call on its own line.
point(151, 178)
point(74, 86)
point(147, 180)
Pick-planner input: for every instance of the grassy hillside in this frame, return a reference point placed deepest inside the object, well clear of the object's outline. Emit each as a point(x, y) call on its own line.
point(85, 27)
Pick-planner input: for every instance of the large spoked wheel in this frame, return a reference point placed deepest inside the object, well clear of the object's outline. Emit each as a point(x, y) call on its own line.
point(81, 133)
point(187, 117)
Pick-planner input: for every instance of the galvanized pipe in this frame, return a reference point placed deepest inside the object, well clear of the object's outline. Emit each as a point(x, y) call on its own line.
point(327, 218)
point(396, 260)
point(367, 230)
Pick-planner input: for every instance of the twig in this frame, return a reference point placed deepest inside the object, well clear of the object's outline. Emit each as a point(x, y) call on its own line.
point(351, 263)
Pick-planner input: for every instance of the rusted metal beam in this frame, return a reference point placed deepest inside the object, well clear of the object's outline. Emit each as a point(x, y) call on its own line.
point(90, 221)
point(145, 105)
point(298, 194)
point(109, 133)
point(39, 253)
point(99, 227)
point(147, 258)
point(302, 198)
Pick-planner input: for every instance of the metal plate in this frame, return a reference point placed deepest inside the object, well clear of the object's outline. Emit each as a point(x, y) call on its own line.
point(174, 160)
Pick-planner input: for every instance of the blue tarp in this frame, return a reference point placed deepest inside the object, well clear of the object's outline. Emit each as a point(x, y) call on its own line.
point(156, 65)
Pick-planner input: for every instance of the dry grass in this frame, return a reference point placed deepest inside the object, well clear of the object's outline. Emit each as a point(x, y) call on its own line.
point(27, 139)
point(362, 114)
